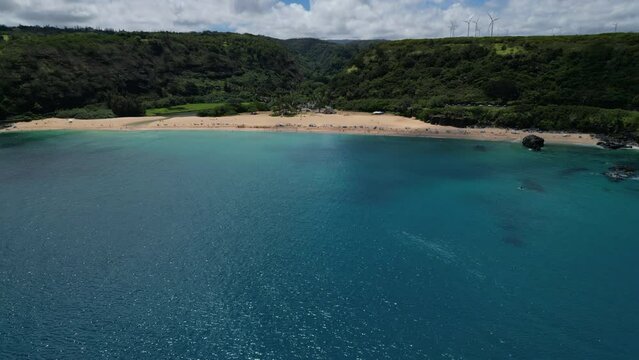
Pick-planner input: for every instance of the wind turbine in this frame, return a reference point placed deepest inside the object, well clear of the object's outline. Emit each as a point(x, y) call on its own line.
point(492, 23)
point(470, 20)
point(477, 31)
point(616, 27)
point(453, 26)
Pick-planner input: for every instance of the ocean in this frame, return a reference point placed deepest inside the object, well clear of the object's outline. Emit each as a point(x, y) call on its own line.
point(257, 245)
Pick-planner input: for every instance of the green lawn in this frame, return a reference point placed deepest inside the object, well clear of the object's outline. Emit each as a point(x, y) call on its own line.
point(183, 109)
point(195, 108)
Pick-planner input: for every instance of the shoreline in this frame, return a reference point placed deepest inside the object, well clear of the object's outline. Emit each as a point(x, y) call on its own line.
point(341, 123)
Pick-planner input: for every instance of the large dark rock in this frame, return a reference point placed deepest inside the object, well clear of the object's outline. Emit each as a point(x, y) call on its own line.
point(620, 172)
point(533, 142)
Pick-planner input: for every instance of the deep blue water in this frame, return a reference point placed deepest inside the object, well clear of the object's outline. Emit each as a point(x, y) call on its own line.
point(221, 245)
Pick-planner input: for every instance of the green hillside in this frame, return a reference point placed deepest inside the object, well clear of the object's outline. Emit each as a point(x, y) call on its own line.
point(553, 83)
point(585, 83)
point(319, 61)
point(597, 70)
point(322, 59)
point(44, 70)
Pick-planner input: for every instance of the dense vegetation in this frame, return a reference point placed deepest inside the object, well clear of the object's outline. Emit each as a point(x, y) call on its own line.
point(43, 70)
point(585, 83)
point(552, 83)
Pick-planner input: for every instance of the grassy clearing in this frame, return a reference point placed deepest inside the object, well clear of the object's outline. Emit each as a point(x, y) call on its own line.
point(183, 109)
point(352, 69)
point(196, 108)
point(5, 37)
point(505, 50)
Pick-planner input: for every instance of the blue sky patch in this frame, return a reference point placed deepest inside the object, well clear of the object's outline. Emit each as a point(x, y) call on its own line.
point(305, 3)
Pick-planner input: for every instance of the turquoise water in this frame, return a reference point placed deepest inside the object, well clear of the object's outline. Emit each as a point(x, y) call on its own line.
point(204, 245)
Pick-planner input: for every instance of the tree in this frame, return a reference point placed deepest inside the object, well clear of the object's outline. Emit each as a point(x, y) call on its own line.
point(503, 89)
point(123, 106)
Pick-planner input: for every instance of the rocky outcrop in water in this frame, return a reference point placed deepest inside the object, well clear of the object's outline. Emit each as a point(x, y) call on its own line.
point(513, 240)
point(533, 142)
point(614, 143)
point(620, 172)
point(532, 185)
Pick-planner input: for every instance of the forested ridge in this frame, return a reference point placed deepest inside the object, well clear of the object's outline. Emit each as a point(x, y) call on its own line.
point(586, 83)
point(44, 70)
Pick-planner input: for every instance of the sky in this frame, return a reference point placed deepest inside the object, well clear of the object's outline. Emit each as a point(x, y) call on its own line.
point(332, 19)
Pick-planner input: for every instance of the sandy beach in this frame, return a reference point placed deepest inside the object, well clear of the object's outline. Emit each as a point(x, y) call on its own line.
point(343, 122)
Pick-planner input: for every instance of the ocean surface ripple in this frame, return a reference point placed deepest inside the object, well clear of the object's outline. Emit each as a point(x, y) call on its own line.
point(222, 245)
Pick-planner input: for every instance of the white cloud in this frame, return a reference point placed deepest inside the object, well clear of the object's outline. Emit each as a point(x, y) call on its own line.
point(353, 19)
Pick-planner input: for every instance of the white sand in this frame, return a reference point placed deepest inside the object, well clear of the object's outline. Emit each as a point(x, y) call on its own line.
point(343, 122)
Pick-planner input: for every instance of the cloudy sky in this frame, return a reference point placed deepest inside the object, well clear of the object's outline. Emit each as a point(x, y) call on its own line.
point(331, 19)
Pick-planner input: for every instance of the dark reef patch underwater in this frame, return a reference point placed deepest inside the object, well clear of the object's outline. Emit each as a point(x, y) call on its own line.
point(235, 245)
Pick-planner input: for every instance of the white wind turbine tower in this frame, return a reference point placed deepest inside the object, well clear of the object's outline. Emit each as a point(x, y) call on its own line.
point(477, 31)
point(492, 23)
point(468, 22)
point(453, 26)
